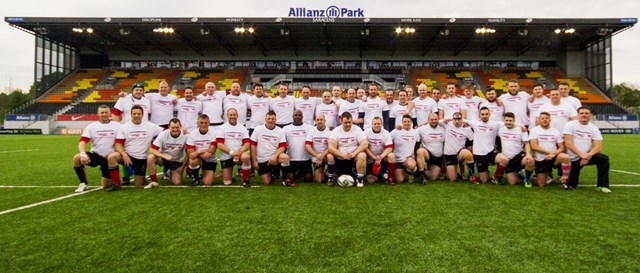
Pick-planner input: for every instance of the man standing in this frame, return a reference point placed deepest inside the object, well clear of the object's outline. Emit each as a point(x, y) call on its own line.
point(212, 104)
point(268, 143)
point(188, 110)
point(561, 113)
point(283, 106)
point(259, 106)
point(495, 107)
point(563, 87)
point(472, 102)
point(405, 141)
point(296, 135)
point(535, 102)
point(102, 135)
point(329, 109)
point(399, 110)
point(515, 154)
point(307, 105)
point(121, 112)
point(374, 107)
point(233, 142)
point(354, 106)
point(347, 143)
point(379, 151)
point(452, 104)
point(161, 105)
point(336, 91)
point(201, 149)
point(167, 150)
point(317, 145)
point(132, 142)
point(548, 148)
point(424, 105)
point(584, 142)
point(515, 101)
point(237, 100)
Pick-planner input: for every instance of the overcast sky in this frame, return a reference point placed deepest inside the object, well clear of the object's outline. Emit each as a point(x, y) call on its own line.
point(17, 47)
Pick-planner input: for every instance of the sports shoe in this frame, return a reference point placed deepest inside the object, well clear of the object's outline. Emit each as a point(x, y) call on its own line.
point(288, 183)
point(165, 176)
point(195, 183)
point(246, 184)
point(391, 182)
point(603, 189)
point(521, 175)
point(474, 180)
point(151, 185)
point(359, 184)
point(527, 183)
point(566, 186)
point(113, 187)
point(410, 178)
point(82, 187)
point(125, 181)
point(330, 181)
point(495, 180)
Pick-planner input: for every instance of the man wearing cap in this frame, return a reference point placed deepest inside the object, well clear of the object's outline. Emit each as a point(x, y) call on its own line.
point(121, 112)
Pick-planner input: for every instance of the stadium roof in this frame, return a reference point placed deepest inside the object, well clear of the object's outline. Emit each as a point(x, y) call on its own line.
point(363, 38)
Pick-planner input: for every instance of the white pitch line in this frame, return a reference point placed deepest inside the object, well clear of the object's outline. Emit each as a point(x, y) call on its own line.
point(19, 151)
point(619, 171)
point(46, 202)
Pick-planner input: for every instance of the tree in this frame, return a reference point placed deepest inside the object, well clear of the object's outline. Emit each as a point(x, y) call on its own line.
point(628, 95)
point(11, 101)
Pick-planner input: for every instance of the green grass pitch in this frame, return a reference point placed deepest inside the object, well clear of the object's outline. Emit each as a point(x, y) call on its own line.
point(440, 227)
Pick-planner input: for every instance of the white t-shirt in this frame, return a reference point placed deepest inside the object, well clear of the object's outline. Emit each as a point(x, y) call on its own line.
point(373, 108)
point(102, 137)
point(308, 108)
point(496, 111)
point(533, 109)
point(136, 138)
point(547, 139)
point(330, 112)
point(319, 140)
point(338, 101)
point(173, 146)
point(398, 111)
point(571, 100)
point(188, 113)
point(201, 142)
point(296, 137)
point(259, 108)
point(517, 105)
point(161, 107)
point(239, 103)
point(451, 106)
point(432, 139)
point(378, 142)
point(513, 140)
point(473, 107)
point(423, 108)
point(233, 137)
point(347, 141)
point(560, 114)
point(283, 108)
point(354, 108)
point(267, 142)
point(404, 143)
point(484, 136)
point(583, 136)
point(212, 105)
point(456, 138)
point(124, 104)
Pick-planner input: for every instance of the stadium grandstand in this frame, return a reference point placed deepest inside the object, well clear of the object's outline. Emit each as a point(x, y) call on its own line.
point(81, 63)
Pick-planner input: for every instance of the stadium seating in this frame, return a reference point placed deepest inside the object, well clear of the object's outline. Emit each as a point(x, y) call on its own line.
point(47, 108)
point(73, 86)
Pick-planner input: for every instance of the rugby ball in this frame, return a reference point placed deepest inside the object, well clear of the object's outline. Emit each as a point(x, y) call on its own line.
point(345, 180)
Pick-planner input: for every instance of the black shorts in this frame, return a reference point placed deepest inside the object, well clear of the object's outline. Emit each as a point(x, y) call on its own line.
point(209, 166)
point(265, 168)
point(172, 165)
point(484, 161)
point(139, 166)
point(225, 164)
point(451, 160)
point(545, 166)
point(515, 164)
point(301, 167)
point(345, 167)
point(96, 160)
point(434, 160)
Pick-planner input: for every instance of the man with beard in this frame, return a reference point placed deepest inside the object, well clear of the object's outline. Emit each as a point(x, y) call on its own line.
point(515, 101)
point(188, 110)
point(374, 107)
point(431, 153)
point(485, 132)
point(515, 153)
point(548, 148)
point(495, 107)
